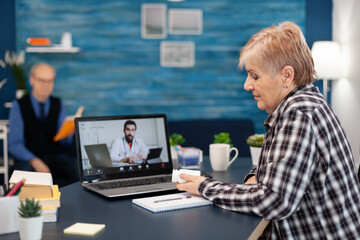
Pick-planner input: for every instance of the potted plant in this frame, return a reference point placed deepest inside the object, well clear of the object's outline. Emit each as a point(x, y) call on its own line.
point(223, 137)
point(30, 220)
point(16, 63)
point(175, 139)
point(255, 142)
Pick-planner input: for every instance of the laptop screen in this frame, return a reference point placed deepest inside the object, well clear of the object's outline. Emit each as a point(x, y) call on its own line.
point(116, 147)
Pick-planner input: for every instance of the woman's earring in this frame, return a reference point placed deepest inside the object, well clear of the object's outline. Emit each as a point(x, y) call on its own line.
point(286, 86)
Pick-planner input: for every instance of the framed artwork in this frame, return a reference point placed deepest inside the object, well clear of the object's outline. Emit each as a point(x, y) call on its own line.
point(153, 21)
point(185, 21)
point(177, 54)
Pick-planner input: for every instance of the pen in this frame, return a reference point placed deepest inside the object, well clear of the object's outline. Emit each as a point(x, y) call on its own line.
point(178, 147)
point(171, 199)
point(16, 187)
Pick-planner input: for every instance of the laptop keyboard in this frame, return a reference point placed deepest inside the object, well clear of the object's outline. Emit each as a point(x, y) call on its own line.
point(132, 182)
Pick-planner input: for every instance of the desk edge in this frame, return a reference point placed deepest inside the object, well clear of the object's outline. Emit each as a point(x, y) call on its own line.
point(259, 229)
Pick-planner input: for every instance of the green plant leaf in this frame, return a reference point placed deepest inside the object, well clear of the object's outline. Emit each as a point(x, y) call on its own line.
point(255, 140)
point(223, 137)
point(16, 62)
point(176, 139)
point(29, 208)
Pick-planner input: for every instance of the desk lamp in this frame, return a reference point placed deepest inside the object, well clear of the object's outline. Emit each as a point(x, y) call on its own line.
point(327, 61)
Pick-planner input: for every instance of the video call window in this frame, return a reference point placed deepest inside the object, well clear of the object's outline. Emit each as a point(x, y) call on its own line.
point(102, 136)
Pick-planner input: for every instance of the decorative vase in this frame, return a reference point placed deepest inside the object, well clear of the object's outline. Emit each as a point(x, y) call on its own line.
point(30, 228)
point(255, 155)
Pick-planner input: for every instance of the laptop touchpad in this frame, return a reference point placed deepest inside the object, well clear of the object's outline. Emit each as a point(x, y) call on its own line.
point(141, 189)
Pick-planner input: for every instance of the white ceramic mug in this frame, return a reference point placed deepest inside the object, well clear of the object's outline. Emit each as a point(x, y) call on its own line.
point(220, 155)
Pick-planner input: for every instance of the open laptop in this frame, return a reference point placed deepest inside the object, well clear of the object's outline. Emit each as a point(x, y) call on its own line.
point(98, 155)
point(154, 153)
point(106, 135)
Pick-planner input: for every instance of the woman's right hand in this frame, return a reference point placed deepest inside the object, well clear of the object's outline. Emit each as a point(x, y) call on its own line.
point(251, 180)
point(191, 185)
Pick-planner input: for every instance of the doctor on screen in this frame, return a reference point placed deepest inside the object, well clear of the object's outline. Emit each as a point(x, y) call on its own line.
point(129, 149)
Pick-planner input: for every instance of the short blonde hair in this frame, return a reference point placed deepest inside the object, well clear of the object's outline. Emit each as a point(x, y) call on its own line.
point(275, 47)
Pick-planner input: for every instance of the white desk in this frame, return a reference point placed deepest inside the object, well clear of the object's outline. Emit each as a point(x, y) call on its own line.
point(4, 136)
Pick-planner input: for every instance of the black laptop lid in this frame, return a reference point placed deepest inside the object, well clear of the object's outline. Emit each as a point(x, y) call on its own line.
point(151, 132)
point(154, 153)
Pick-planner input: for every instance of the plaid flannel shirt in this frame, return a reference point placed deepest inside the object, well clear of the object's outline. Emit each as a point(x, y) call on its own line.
point(306, 179)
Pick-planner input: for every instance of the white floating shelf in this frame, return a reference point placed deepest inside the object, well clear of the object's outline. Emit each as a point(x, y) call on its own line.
point(52, 49)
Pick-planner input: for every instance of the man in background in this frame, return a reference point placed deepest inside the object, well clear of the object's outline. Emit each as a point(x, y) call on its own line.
point(34, 121)
point(129, 149)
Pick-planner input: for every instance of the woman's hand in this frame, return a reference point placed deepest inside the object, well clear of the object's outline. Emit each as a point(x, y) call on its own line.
point(251, 180)
point(191, 185)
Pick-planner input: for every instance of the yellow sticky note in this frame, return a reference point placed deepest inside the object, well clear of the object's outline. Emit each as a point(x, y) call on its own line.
point(88, 229)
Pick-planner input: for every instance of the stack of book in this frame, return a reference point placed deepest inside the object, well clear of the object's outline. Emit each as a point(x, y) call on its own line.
point(39, 186)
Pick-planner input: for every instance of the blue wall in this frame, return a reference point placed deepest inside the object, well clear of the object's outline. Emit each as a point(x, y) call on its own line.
point(7, 42)
point(117, 72)
point(318, 21)
point(319, 27)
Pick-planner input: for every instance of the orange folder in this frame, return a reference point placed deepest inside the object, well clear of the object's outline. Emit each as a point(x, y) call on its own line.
point(68, 126)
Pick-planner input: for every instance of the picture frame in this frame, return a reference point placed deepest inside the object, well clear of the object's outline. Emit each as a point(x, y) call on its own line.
point(185, 21)
point(177, 54)
point(153, 21)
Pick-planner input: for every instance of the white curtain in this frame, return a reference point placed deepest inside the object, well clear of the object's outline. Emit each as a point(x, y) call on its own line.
point(346, 91)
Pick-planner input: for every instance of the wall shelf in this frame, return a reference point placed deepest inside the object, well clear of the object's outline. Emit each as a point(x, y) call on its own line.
point(52, 49)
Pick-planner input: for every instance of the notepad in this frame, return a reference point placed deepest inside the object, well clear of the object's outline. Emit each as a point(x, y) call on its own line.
point(171, 202)
point(87, 229)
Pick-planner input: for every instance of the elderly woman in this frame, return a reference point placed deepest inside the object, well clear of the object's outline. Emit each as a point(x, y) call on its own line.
point(305, 181)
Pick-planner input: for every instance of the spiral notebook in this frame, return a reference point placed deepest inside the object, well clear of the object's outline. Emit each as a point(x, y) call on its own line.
point(171, 202)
